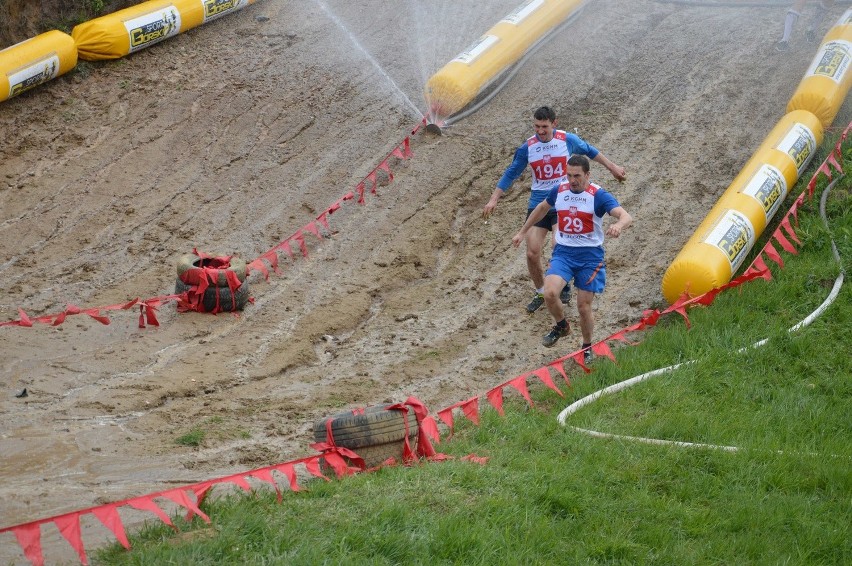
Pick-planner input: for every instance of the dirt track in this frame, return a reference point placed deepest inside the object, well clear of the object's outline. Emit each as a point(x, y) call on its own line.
point(234, 135)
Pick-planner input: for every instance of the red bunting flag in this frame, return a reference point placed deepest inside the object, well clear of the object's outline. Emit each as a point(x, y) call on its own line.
point(559, 366)
point(470, 408)
point(520, 383)
point(29, 537)
point(495, 397)
point(544, 375)
point(108, 515)
point(69, 528)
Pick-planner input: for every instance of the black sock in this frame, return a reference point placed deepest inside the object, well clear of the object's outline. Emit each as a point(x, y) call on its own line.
point(584, 346)
point(562, 323)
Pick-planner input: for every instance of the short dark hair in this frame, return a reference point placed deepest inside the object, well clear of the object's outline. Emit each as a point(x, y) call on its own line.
point(579, 161)
point(545, 113)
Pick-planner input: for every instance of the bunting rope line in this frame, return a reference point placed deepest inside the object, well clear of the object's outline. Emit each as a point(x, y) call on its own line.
point(148, 307)
point(626, 384)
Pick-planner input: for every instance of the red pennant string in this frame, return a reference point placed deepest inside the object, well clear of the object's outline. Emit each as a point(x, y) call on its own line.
point(544, 375)
point(559, 366)
point(312, 465)
point(312, 228)
point(180, 497)
point(397, 152)
point(785, 243)
point(24, 320)
point(108, 515)
point(789, 229)
point(360, 188)
point(386, 167)
point(239, 481)
point(470, 408)
point(200, 492)
point(430, 429)
point(495, 397)
point(681, 310)
point(96, 314)
point(621, 335)
point(650, 318)
point(475, 459)
point(520, 383)
point(707, 298)
point(760, 267)
point(147, 504)
point(773, 254)
point(265, 475)
point(580, 360)
point(427, 429)
point(446, 415)
point(603, 349)
point(323, 218)
point(300, 239)
point(69, 528)
point(29, 537)
point(289, 473)
point(285, 247)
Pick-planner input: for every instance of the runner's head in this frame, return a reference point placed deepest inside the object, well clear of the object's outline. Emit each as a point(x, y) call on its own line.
point(544, 121)
point(578, 174)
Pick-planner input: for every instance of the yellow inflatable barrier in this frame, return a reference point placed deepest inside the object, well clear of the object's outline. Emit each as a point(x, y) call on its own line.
point(34, 61)
point(462, 79)
point(723, 240)
point(826, 83)
point(127, 31)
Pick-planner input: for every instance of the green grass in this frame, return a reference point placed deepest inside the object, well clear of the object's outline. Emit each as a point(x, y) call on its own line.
point(549, 495)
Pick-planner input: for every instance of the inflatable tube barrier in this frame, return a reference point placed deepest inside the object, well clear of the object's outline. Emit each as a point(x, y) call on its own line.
point(826, 83)
point(462, 79)
point(132, 29)
point(723, 240)
point(34, 61)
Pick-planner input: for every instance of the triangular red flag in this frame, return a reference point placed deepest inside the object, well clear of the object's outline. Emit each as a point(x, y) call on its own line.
point(180, 497)
point(789, 229)
point(24, 319)
point(544, 375)
point(470, 408)
point(265, 474)
point(495, 397)
point(603, 349)
point(785, 243)
point(145, 503)
point(69, 528)
point(289, 473)
point(559, 366)
point(108, 515)
point(29, 537)
point(773, 254)
point(520, 383)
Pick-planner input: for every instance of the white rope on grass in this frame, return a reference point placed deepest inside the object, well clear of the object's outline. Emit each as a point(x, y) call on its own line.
point(621, 386)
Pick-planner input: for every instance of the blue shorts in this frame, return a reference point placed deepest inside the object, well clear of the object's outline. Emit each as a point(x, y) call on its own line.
point(587, 269)
point(547, 222)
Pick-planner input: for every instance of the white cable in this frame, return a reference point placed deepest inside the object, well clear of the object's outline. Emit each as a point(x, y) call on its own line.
point(587, 400)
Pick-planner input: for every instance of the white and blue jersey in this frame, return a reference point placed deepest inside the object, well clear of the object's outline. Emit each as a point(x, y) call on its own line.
point(580, 220)
point(547, 160)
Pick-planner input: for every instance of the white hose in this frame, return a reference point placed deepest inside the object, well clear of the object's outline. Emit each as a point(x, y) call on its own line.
point(587, 400)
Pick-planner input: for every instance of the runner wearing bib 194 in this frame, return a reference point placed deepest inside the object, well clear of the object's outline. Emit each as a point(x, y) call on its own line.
point(578, 254)
point(546, 154)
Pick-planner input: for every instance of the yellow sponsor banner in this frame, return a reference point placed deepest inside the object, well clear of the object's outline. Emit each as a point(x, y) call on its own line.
point(826, 83)
point(720, 243)
point(127, 31)
point(30, 63)
point(458, 82)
